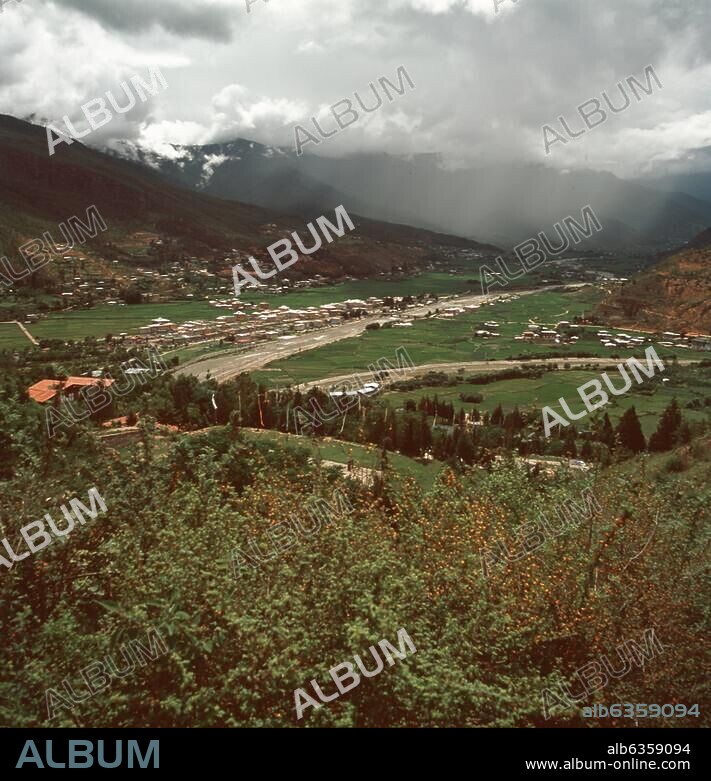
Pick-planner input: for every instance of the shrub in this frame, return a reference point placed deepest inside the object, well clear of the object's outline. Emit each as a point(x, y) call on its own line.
point(677, 463)
point(471, 398)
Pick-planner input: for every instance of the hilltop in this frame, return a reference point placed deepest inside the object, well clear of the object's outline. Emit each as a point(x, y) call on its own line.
point(674, 294)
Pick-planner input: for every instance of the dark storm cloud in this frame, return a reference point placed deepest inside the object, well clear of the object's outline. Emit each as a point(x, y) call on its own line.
point(486, 83)
point(184, 18)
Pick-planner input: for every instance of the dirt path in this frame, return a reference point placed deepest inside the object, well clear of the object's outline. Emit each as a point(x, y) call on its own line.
point(471, 366)
point(27, 333)
point(23, 329)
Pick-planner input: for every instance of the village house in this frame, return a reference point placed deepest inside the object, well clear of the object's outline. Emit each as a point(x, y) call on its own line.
point(46, 390)
point(701, 343)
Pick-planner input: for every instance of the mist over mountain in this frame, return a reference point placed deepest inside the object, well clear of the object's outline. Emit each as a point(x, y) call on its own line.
point(691, 174)
point(697, 186)
point(503, 204)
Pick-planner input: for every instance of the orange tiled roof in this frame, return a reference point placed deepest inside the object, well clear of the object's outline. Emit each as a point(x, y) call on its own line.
point(44, 390)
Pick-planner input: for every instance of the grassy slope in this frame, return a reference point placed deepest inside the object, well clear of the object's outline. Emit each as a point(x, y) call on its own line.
point(341, 452)
point(694, 479)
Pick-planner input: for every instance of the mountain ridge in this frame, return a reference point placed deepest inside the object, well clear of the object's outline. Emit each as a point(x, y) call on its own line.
point(37, 190)
point(420, 191)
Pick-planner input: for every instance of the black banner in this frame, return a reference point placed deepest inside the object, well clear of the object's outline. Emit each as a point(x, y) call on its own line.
point(518, 753)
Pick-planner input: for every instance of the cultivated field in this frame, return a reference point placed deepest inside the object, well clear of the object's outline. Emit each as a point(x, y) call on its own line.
point(105, 319)
point(12, 338)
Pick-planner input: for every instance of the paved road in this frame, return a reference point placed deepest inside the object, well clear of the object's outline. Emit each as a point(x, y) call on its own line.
point(224, 367)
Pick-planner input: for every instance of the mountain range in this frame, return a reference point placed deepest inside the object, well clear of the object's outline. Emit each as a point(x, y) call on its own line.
point(242, 195)
point(37, 192)
point(498, 204)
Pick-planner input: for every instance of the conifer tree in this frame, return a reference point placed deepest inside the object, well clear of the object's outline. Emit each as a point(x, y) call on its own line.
point(667, 433)
point(630, 433)
point(497, 416)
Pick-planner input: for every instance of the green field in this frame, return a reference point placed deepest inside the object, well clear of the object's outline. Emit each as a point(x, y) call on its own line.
point(450, 341)
point(440, 283)
point(11, 337)
point(685, 384)
point(342, 452)
point(103, 320)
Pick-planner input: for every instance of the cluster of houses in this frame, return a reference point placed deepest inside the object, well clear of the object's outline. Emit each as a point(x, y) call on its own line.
point(250, 323)
point(666, 339)
point(564, 332)
point(620, 340)
point(698, 342)
point(367, 389)
point(450, 312)
point(154, 285)
point(84, 279)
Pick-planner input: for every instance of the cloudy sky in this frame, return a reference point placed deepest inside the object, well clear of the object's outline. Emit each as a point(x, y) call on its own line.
point(488, 74)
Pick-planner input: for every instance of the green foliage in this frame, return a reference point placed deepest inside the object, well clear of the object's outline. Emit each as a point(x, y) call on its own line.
point(240, 646)
point(630, 433)
point(667, 433)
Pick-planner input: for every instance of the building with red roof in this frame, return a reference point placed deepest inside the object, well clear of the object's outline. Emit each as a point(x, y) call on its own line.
point(45, 390)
